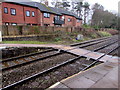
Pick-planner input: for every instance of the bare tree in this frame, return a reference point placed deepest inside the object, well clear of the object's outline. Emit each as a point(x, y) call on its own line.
point(77, 7)
point(57, 3)
point(103, 18)
point(86, 11)
point(42, 1)
point(61, 4)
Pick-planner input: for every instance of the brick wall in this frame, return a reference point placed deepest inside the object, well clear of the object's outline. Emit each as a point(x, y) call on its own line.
point(20, 16)
point(48, 20)
point(78, 23)
point(39, 17)
point(37, 30)
point(0, 13)
point(66, 20)
point(31, 19)
point(74, 21)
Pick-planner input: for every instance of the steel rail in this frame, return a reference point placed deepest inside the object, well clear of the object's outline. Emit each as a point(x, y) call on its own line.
point(86, 45)
point(35, 60)
point(94, 50)
point(52, 68)
point(90, 41)
point(25, 63)
point(40, 73)
point(97, 60)
point(27, 55)
point(93, 43)
point(99, 48)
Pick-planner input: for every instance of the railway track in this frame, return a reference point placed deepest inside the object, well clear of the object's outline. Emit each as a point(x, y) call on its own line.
point(92, 41)
point(82, 62)
point(85, 42)
point(30, 58)
point(27, 59)
point(95, 43)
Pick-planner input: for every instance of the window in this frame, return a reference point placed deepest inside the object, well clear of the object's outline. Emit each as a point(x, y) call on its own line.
point(28, 13)
point(13, 24)
point(13, 11)
point(6, 10)
point(46, 15)
point(57, 17)
point(33, 13)
point(69, 20)
point(46, 24)
point(28, 24)
point(78, 20)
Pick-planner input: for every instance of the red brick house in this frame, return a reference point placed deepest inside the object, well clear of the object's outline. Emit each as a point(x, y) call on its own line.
point(70, 19)
point(32, 13)
point(0, 13)
point(13, 14)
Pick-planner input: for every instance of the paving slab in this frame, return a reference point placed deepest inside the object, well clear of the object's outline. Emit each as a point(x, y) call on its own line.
point(31, 45)
point(110, 64)
point(94, 76)
point(59, 85)
point(82, 82)
point(79, 51)
point(66, 48)
point(115, 59)
point(109, 58)
point(108, 81)
point(94, 55)
point(104, 75)
point(106, 58)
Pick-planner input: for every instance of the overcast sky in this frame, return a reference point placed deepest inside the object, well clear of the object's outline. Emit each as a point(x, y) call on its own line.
point(111, 5)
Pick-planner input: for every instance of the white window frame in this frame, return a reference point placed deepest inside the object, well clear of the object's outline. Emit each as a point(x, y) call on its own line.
point(46, 15)
point(13, 11)
point(14, 24)
point(27, 13)
point(33, 14)
point(6, 10)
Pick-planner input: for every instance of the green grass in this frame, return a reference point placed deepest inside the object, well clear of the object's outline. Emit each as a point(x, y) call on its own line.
point(104, 34)
point(56, 41)
point(25, 42)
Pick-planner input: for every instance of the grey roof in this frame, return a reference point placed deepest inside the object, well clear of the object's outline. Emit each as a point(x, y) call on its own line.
point(44, 8)
point(68, 13)
point(55, 10)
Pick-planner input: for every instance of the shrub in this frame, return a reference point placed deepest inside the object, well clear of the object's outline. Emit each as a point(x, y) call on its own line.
point(86, 26)
point(93, 35)
point(104, 34)
point(57, 39)
point(36, 29)
point(96, 27)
